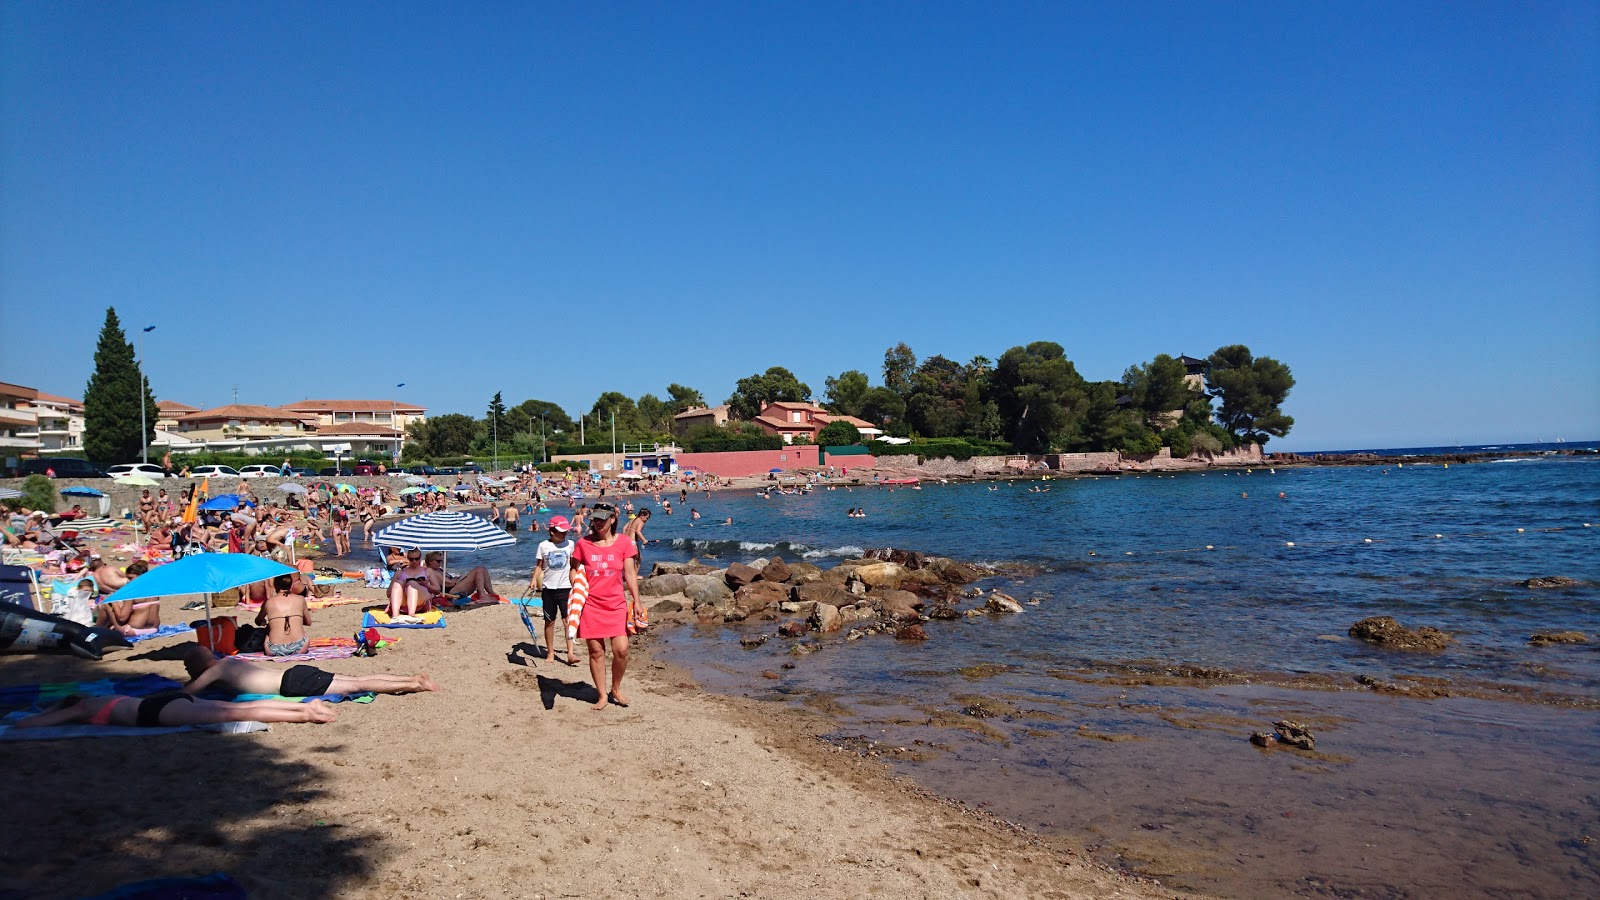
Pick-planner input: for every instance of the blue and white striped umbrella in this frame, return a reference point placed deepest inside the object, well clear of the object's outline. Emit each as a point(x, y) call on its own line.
point(448, 530)
point(9, 494)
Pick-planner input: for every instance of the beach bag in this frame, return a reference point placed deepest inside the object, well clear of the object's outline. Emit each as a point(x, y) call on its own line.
point(219, 634)
point(379, 577)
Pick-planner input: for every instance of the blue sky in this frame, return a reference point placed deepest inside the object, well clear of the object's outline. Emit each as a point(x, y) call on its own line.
point(1400, 201)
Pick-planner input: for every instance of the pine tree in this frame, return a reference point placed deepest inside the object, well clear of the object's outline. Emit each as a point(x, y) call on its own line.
point(111, 401)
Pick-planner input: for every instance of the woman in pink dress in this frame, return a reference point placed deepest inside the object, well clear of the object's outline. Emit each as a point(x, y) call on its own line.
point(611, 563)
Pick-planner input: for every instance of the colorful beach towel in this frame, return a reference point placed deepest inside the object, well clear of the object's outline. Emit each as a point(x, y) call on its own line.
point(363, 697)
point(163, 631)
point(34, 697)
point(317, 648)
point(378, 618)
point(58, 732)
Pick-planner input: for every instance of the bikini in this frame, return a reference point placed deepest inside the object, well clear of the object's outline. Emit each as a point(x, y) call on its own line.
point(292, 648)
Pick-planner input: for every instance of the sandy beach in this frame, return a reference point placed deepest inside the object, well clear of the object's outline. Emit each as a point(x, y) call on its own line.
point(505, 783)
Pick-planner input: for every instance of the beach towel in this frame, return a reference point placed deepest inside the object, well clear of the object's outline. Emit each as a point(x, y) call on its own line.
point(59, 588)
point(34, 697)
point(324, 579)
point(363, 697)
point(313, 603)
point(163, 631)
point(379, 618)
point(575, 601)
point(318, 648)
point(58, 732)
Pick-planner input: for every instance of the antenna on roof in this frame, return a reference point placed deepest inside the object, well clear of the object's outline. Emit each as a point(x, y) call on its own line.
point(236, 393)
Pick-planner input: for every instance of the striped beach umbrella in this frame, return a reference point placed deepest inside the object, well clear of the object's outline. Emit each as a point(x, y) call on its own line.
point(448, 530)
point(10, 494)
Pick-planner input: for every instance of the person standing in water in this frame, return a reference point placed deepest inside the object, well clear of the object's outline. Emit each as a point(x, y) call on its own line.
point(611, 563)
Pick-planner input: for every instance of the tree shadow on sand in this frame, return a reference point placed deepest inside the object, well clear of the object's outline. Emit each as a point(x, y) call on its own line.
point(86, 815)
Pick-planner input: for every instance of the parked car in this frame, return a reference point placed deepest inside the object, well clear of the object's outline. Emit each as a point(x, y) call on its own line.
point(148, 470)
point(294, 472)
point(261, 472)
point(60, 467)
point(448, 470)
point(472, 469)
point(331, 472)
point(214, 472)
point(423, 470)
point(365, 467)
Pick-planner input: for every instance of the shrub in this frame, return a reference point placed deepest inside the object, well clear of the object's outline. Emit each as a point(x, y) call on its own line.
point(38, 492)
point(1179, 440)
point(1141, 441)
point(839, 434)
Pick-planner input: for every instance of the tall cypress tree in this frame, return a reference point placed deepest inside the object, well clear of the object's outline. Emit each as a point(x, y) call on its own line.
point(111, 401)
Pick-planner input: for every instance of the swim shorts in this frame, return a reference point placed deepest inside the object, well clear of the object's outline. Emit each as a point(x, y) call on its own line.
point(305, 681)
point(555, 603)
point(290, 649)
point(149, 715)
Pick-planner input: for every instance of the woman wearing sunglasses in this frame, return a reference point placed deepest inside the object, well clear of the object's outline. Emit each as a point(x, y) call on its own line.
point(610, 561)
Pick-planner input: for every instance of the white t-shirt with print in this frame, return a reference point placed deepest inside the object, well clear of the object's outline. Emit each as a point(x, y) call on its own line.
point(557, 559)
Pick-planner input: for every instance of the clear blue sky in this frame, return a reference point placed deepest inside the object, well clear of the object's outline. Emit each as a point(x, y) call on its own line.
point(1400, 201)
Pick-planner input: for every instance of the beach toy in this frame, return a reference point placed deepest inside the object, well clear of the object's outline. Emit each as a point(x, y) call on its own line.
point(575, 601)
point(24, 630)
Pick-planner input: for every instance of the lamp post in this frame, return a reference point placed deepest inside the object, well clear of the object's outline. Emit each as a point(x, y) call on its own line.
point(395, 423)
point(542, 458)
point(494, 428)
point(144, 388)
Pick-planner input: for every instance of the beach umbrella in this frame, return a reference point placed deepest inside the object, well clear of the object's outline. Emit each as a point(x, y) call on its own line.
point(82, 492)
point(9, 494)
point(774, 470)
point(415, 479)
point(291, 489)
point(226, 501)
point(140, 481)
point(345, 488)
point(203, 573)
point(412, 490)
point(446, 531)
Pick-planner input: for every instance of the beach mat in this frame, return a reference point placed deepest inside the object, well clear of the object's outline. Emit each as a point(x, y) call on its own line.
point(363, 697)
point(377, 618)
point(318, 648)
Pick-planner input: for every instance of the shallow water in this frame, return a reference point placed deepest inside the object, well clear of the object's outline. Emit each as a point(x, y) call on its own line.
point(1411, 797)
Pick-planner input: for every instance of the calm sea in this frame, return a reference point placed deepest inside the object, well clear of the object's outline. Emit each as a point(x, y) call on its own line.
point(1076, 716)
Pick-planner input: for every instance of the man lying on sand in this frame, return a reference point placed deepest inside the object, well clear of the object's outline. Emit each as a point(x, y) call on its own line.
point(245, 677)
point(162, 711)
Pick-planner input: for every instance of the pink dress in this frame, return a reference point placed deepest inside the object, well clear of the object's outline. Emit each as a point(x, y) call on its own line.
point(605, 614)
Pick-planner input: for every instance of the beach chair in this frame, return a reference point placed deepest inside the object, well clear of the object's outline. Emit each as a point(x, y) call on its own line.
point(19, 585)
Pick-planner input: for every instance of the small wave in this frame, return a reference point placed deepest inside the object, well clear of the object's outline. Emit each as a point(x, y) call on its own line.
point(848, 551)
point(757, 545)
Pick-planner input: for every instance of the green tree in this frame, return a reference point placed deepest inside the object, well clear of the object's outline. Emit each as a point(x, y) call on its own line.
point(1040, 396)
point(38, 492)
point(839, 434)
point(626, 411)
point(451, 434)
point(847, 393)
point(684, 398)
point(1157, 388)
point(882, 406)
point(111, 400)
point(655, 414)
point(1251, 391)
point(555, 418)
point(1106, 425)
point(935, 405)
point(776, 384)
point(898, 365)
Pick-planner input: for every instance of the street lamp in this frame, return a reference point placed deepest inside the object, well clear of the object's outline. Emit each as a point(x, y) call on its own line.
point(395, 424)
point(541, 439)
point(144, 388)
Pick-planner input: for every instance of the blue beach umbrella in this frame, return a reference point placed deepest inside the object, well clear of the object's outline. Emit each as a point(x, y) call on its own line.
point(204, 573)
point(226, 501)
point(82, 492)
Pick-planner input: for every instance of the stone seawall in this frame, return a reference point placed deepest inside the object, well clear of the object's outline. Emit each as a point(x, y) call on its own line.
point(1068, 463)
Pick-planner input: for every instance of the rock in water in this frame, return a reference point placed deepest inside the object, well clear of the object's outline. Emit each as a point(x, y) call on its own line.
point(794, 629)
point(902, 606)
point(663, 585)
point(1558, 637)
point(1261, 739)
point(739, 575)
point(1294, 734)
point(881, 574)
point(1386, 632)
point(911, 633)
point(1550, 581)
point(826, 618)
point(999, 602)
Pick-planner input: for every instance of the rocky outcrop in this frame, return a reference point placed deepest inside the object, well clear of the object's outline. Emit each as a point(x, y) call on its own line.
point(825, 618)
point(758, 595)
point(1003, 603)
point(1390, 634)
point(822, 592)
point(909, 559)
point(1550, 581)
point(802, 572)
point(666, 606)
point(880, 574)
point(692, 567)
point(706, 590)
point(902, 606)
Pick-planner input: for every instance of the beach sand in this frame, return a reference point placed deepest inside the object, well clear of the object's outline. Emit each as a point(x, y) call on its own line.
point(506, 783)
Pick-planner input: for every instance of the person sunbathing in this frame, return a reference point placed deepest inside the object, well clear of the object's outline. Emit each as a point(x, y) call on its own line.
point(245, 677)
point(286, 615)
point(163, 711)
point(476, 581)
point(126, 617)
point(412, 588)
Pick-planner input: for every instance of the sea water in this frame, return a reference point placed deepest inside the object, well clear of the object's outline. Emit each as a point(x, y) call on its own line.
point(1167, 617)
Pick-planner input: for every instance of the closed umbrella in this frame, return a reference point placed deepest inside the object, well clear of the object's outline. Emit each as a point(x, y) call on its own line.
point(204, 573)
point(140, 481)
point(446, 531)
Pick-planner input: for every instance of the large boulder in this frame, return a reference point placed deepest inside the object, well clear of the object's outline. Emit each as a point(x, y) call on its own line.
point(902, 606)
point(802, 572)
point(776, 571)
point(662, 585)
point(706, 590)
point(739, 575)
point(881, 574)
point(826, 618)
point(692, 567)
point(757, 596)
point(668, 605)
point(840, 574)
point(1390, 634)
point(1550, 581)
point(953, 572)
point(822, 592)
